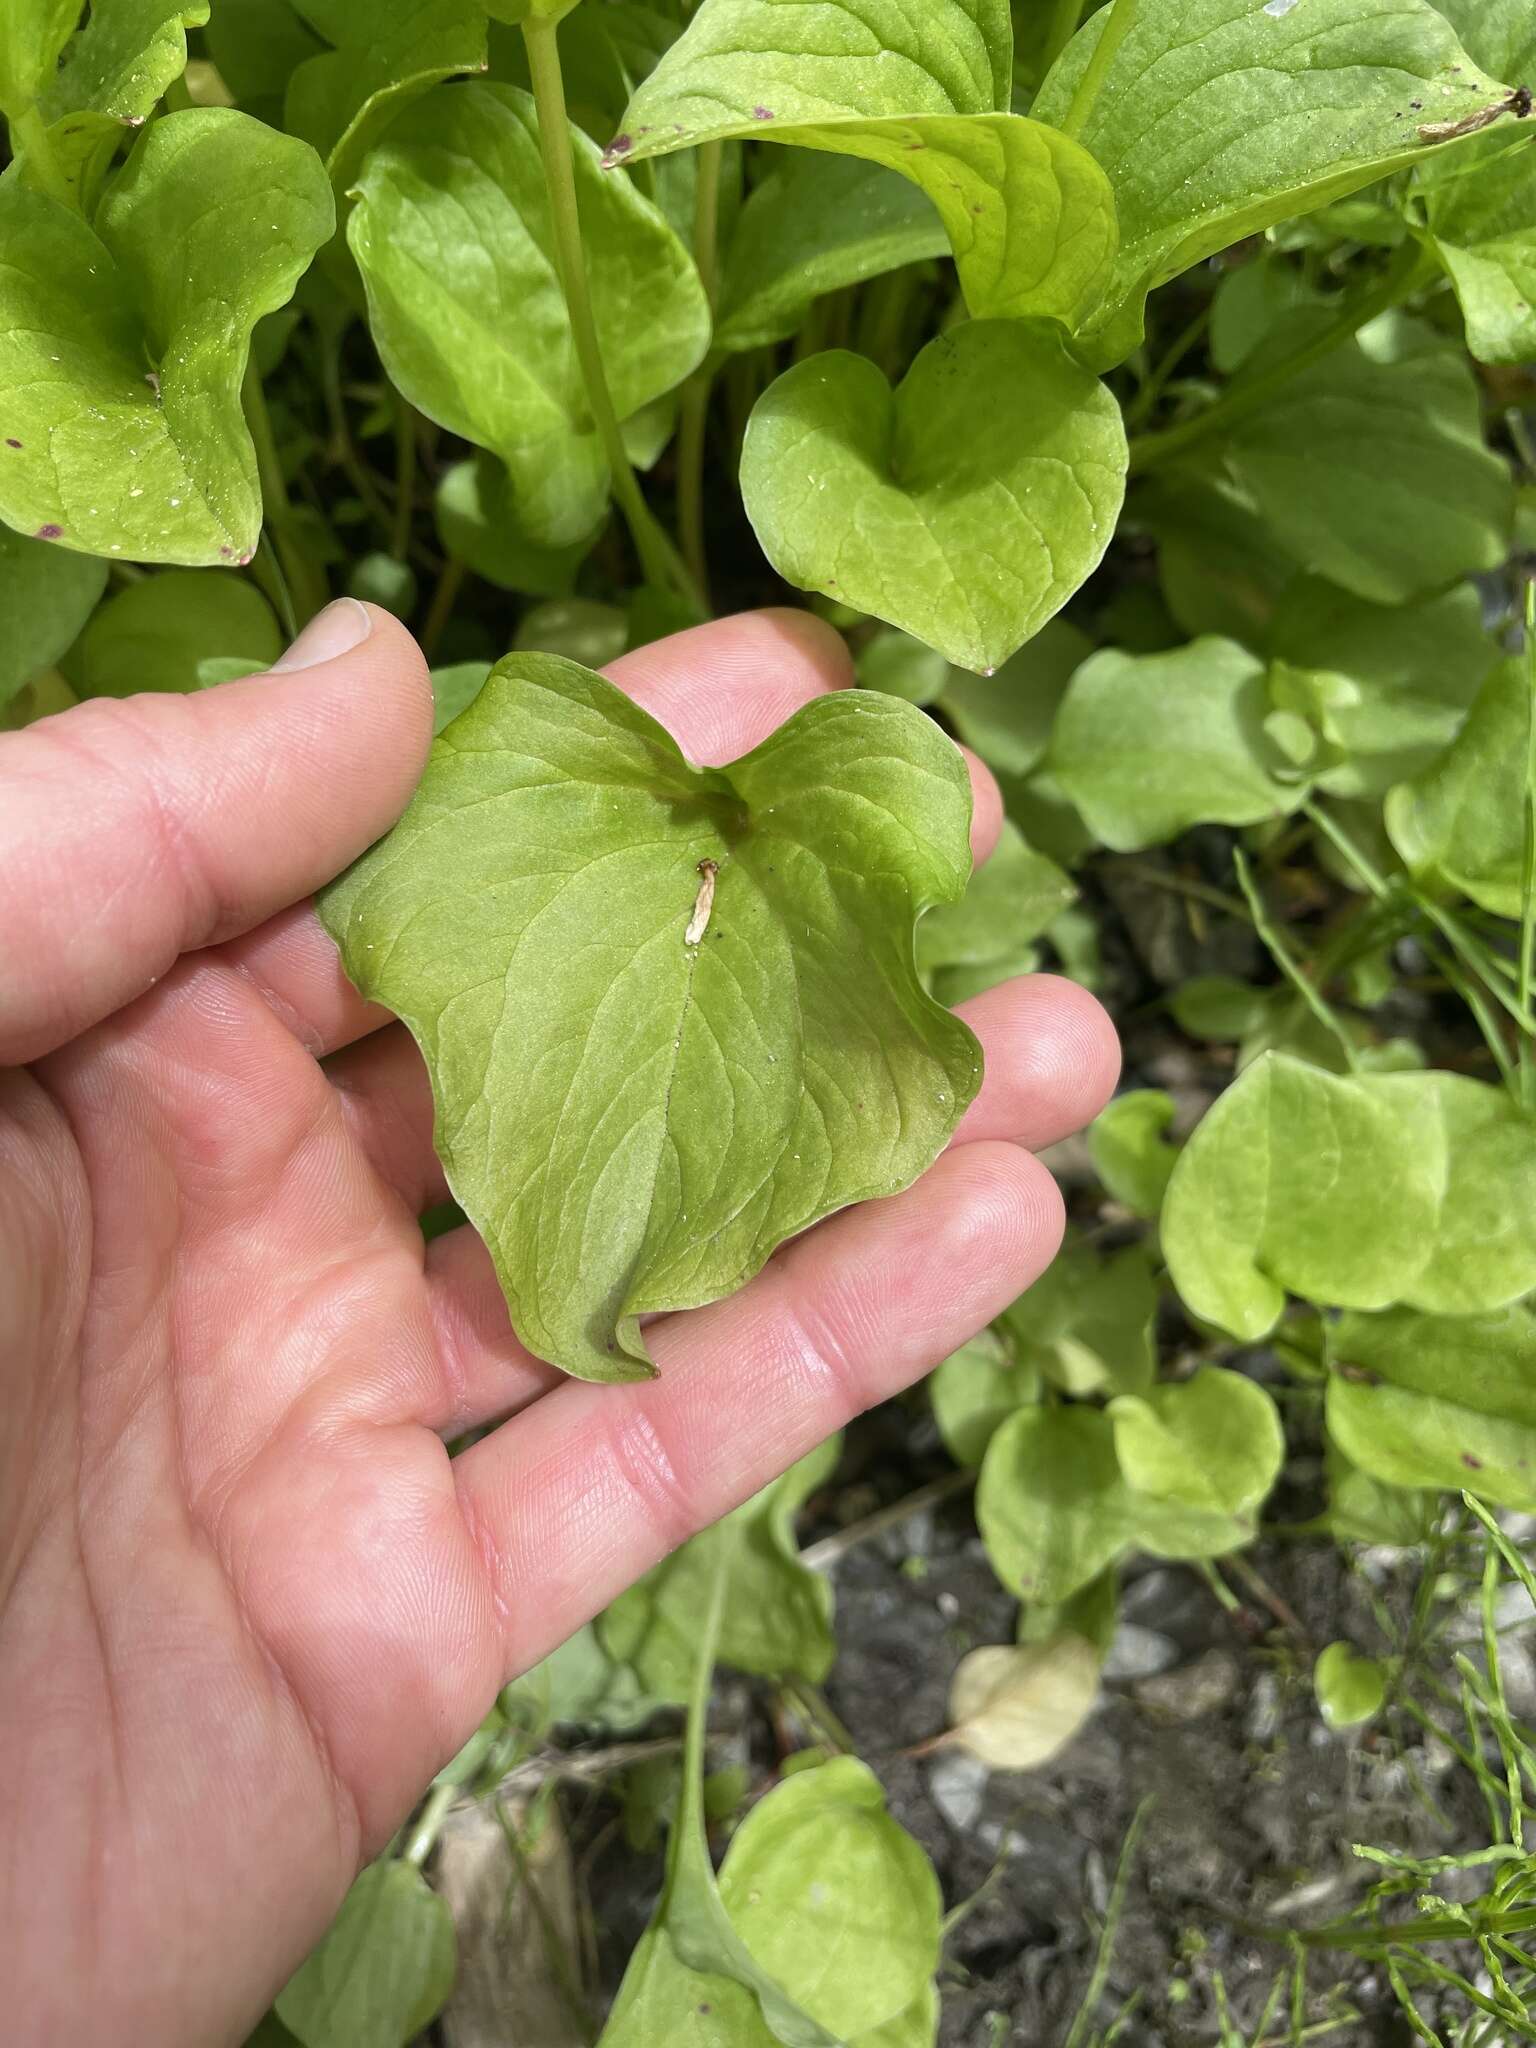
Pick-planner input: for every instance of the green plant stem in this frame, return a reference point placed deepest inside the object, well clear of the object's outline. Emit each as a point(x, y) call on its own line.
point(30, 138)
point(405, 477)
point(693, 420)
point(660, 562)
point(429, 1824)
point(444, 598)
point(1113, 1913)
point(1403, 276)
point(1280, 954)
point(1527, 976)
point(304, 578)
point(1065, 17)
point(1116, 29)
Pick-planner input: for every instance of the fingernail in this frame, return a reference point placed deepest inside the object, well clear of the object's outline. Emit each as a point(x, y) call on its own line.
point(342, 626)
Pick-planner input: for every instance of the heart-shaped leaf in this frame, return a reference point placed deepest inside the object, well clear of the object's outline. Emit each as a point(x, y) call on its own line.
point(1437, 1401)
point(965, 947)
point(1199, 1456)
point(1128, 1143)
point(1354, 1191)
point(670, 1013)
point(975, 1391)
point(1017, 1708)
point(452, 233)
point(1050, 1503)
point(158, 634)
point(1148, 745)
point(1218, 118)
point(967, 506)
point(122, 349)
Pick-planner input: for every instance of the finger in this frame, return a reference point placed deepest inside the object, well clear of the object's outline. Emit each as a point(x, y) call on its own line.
point(134, 830)
point(720, 689)
point(386, 1101)
point(573, 1499)
point(484, 1372)
point(1052, 1061)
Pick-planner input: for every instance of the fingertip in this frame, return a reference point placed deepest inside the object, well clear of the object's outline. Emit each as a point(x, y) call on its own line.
point(986, 808)
point(721, 688)
point(1052, 1060)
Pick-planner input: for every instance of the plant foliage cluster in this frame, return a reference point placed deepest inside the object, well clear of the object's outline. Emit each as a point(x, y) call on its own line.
point(1140, 388)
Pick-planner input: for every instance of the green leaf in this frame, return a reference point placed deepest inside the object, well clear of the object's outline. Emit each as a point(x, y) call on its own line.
point(1371, 466)
point(662, 1999)
point(1218, 118)
point(452, 233)
point(581, 628)
point(1086, 1324)
point(454, 689)
point(476, 522)
point(976, 1389)
point(1148, 745)
point(995, 449)
point(1462, 820)
point(1128, 1144)
point(1351, 1689)
point(1007, 716)
point(1028, 213)
point(634, 1119)
point(1199, 1457)
point(1015, 1709)
point(1051, 1505)
point(1500, 34)
point(257, 46)
point(1481, 211)
point(46, 596)
point(817, 225)
point(965, 947)
point(1438, 1401)
point(154, 635)
point(343, 100)
point(1353, 1191)
point(32, 33)
point(756, 61)
point(778, 1615)
point(122, 350)
point(123, 59)
point(384, 1970)
point(1220, 568)
point(1248, 304)
point(896, 662)
point(1405, 675)
point(1366, 1510)
point(835, 1900)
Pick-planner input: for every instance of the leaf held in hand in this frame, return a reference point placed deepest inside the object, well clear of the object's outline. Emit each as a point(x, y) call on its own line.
point(634, 1123)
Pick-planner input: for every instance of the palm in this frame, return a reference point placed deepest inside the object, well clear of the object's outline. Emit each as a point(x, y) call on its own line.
point(249, 1604)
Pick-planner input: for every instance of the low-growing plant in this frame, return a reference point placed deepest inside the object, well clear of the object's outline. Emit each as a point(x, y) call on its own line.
point(1141, 389)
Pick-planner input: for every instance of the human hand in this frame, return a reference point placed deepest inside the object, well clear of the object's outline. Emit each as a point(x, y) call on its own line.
point(247, 1603)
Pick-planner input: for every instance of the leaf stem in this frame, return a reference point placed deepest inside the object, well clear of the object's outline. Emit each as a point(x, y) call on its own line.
point(405, 476)
point(1403, 276)
point(30, 138)
point(663, 567)
point(1116, 29)
point(1528, 864)
point(444, 597)
point(1065, 17)
point(694, 418)
point(303, 576)
point(1280, 953)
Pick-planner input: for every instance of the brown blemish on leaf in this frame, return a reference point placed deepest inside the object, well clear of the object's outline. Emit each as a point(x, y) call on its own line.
point(1472, 1464)
point(1358, 1375)
point(11, 442)
point(1518, 103)
point(762, 113)
point(50, 531)
point(704, 903)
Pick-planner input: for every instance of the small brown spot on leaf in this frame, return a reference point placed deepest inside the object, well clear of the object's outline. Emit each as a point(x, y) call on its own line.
point(50, 531)
point(762, 113)
point(1472, 1464)
point(1358, 1375)
point(10, 442)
